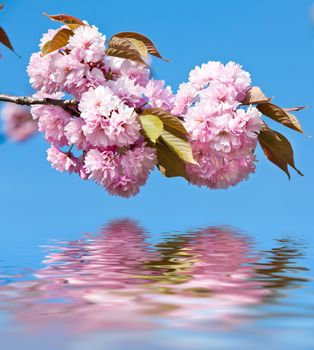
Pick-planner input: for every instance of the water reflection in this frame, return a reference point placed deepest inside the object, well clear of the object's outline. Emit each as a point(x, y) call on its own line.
point(117, 280)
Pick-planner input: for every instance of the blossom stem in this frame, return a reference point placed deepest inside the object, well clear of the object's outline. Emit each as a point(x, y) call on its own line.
point(70, 149)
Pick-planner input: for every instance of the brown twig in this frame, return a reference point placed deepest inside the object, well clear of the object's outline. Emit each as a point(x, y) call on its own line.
point(30, 101)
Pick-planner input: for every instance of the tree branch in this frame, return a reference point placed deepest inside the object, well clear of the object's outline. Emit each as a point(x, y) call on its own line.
point(29, 101)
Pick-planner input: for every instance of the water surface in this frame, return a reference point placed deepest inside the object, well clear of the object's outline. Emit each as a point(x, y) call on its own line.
point(121, 288)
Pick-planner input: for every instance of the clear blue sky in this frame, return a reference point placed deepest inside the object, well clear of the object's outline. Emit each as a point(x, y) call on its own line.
point(273, 40)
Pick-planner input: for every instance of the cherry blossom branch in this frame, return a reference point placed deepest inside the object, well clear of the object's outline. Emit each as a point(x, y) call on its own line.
point(68, 105)
point(29, 101)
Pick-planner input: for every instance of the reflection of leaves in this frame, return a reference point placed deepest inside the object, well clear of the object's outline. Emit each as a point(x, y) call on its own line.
point(175, 263)
point(280, 261)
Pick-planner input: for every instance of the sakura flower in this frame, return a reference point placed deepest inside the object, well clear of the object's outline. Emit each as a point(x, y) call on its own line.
point(217, 169)
point(121, 172)
point(62, 161)
point(123, 186)
point(128, 91)
point(74, 133)
point(232, 73)
point(184, 98)
point(98, 102)
point(121, 128)
point(40, 70)
point(122, 67)
point(158, 95)
point(87, 44)
point(68, 73)
point(100, 164)
point(200, 76)
point(52, 120)
point(18, 123)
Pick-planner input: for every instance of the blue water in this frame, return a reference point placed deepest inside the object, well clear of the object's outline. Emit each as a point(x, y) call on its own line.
point(124, 287)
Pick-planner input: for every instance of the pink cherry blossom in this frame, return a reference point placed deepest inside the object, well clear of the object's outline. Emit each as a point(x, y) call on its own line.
point(129, 92)
point(120, 128)
point(97, 103)
point(218, 169)
point(87, 44)
point(40, 71)
point(74, 133)
point(121, 172)
point(159, 95)
point(123, 67)
point(62, 161)
point(110, 93)
point(18, 123)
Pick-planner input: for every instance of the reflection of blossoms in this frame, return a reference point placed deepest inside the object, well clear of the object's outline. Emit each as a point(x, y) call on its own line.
point(116, 279)
point(18, 123)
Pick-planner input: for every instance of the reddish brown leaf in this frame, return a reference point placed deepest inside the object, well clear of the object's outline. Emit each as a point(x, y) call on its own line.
point(151, 48)
point(70, 21)
point(60, 40)
point(120, 47)
point(4, 39)
point(277, 149)
point(254, 96)
point(280, 115)
point(1, 6)
point(294, 109)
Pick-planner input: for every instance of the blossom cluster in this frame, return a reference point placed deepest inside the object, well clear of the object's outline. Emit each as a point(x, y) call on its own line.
point(101, 138)
point(103, 128)
point(223, 134)
point(18, 124)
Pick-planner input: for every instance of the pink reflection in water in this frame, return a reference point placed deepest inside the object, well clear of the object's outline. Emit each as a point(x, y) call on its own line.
point(115, 279)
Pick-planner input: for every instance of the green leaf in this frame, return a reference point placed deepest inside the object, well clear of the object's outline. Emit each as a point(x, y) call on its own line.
point(179, 144)
point(254, 96)
point(152, 126)
point(70, 21)
point(280, 115)
point(60, 40)
point(169, 164)
point(123, 48)
point(149, 45)
point(277, 149)
point(169, 120)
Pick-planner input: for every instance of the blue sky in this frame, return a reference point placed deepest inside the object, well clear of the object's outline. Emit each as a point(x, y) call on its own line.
point(273, 40)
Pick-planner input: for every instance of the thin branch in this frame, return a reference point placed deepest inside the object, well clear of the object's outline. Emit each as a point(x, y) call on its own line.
point(68, 105)
point(29, 101)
